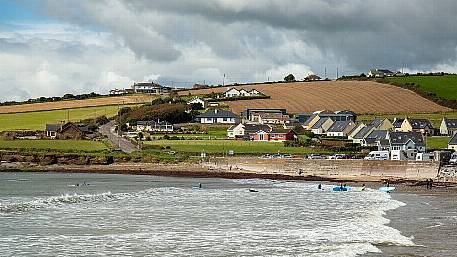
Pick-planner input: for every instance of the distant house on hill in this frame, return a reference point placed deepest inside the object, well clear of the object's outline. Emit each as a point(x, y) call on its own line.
point(322, 125)
point(118, 91)
point(380, 73)
point(246, 131)
point(200, 101)
point(423, 126)
point(335, 116)
point(448, 127)
point(312, 77)
point(149, 88)
point(253, 114)
point(407, 141)
point(375, 138)
point(217, 116)
point(233, 92)
point(453, 143)
point(382, 124)
point(68, 130)
point(275, 135)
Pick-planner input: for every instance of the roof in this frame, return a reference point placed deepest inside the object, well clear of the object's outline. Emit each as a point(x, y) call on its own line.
point(376, 122)
point(401, 138)
point(384, 142)
point(217, 114)
point(53, 127)
point(339, 126)
point(252, 128)
point(450, 123)
point(319, 123)
point(370, 141)
point(281, 131)
point(453, 140)
point(363, 132)
point(309, 119)
point(378, 134)
point(420, 123)
point(397, 122)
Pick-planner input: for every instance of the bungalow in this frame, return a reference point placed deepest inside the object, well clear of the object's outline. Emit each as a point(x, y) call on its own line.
point(448, 127)
point(233, 92)
point(246, 130)
point(397, 124)
point(341, 128)
point(217, 116)
point(275, 135)
point(379, 73)
point(68, 130)
point(200, 101)
point(150, 88)
point(423, 126)
point(322, 125)
point(335, 116)
point(382, 124)
point(154, 126)
point(453, 143)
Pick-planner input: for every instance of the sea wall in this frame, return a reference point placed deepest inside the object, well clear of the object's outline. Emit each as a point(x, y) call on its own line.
point(370, 169)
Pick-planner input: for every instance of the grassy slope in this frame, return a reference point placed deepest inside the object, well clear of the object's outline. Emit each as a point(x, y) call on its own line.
point(437, 142)
point(443, 86)
point(38, 120)
point(221, 146)
point(62, 145)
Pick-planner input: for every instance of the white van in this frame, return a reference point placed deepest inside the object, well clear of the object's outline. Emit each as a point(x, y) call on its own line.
point(453, 159)
point(378, 155)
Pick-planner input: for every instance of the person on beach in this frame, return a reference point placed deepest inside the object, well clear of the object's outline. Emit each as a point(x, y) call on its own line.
point(319, 186)
point(427, 183)
point(363, 187)
point(341, 186)
point(431, 183)
point(199, 185)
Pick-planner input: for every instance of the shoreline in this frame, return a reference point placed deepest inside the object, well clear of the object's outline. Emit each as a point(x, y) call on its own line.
point(402, 184)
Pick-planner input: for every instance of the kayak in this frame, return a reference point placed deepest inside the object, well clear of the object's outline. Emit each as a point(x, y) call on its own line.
point(338, 189)
point(359, 189)
point(386, 189)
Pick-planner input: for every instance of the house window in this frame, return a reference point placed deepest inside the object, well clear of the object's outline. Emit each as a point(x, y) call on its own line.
point(260, 136)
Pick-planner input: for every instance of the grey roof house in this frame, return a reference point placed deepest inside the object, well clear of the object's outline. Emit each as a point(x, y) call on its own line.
point(448, 127)
point(217, 116)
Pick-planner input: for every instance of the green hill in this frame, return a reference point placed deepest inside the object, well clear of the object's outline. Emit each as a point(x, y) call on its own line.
point(442, 86)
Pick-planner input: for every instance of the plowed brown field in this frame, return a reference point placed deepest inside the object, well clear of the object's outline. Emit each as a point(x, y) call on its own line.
point(130, 99)
point(358, 96)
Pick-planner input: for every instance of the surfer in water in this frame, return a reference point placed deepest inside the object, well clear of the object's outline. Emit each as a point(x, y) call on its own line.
point(200, 185)
point(363, 187)
point(319, 186)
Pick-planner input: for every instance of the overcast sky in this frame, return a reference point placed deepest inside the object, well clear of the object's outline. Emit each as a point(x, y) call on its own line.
point(53, 47)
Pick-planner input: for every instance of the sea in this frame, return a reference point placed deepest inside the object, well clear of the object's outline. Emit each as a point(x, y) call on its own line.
point(64, 214)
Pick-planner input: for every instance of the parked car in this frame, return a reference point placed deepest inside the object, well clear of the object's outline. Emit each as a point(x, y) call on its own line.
point(314, 156)
point(378, 155)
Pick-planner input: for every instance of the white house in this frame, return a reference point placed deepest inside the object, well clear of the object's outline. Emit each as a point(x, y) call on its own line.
point(245, 130)
point(448, 127)
point(197, 100)
point(233, 92)
point(217, 116)
point(154, 126)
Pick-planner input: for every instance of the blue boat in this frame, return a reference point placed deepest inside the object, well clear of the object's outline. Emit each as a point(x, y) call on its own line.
point(338, 188)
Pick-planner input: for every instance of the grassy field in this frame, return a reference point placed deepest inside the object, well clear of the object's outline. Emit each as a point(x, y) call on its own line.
point(61, 145)
point(435, 118)
point(443, 86)
point(437, 142)
point(223, 146)
point(38, 120)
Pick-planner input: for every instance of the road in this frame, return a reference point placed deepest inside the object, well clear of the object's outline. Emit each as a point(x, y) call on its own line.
point(124, 144)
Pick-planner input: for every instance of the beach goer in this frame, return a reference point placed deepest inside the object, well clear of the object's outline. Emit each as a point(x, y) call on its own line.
point(199, 185)
point(341, 186)
point(363, 187)
point(427, 182)
point(319, 186)
point(431, 183)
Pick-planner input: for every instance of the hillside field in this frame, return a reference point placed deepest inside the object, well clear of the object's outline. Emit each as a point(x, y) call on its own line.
point(359, 96)
point(443, 86)
point(71, 104)
point(38, 120)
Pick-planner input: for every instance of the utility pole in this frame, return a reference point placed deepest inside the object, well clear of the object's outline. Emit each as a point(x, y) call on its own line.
point(325, 72)
point(223, 80)
point(336, 72)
